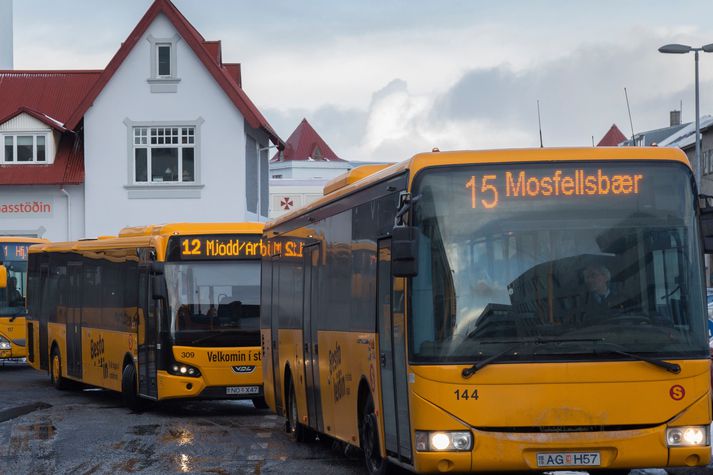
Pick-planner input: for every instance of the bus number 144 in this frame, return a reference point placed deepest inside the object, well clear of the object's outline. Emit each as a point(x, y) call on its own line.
point(465, 394)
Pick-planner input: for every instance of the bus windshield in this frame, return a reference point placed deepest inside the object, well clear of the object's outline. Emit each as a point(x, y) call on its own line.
point(214, 303)
point(588, 260)
point(12, 299)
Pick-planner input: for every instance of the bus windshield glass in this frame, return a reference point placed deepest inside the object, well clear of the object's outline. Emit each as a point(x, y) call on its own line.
point(13, 256)
point(585, 260)
point(214, 303)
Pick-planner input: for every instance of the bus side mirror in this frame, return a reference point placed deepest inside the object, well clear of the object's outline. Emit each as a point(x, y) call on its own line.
point(404, 251)
point(707, 226)
point(158, 287)
point(3, 277)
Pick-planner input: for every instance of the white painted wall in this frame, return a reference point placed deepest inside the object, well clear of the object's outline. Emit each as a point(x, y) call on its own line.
point(127, 96)
point(42, 211)
point(299, 192)
point(305, 170)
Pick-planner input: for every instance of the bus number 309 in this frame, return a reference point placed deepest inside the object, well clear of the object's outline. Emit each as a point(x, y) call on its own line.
point(465, 394)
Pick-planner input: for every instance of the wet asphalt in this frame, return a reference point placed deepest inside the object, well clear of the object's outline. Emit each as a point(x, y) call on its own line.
point(46, 431)
point(88, 431)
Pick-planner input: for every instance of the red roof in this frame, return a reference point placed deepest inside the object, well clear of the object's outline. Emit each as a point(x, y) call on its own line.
point(207, 52)
point(302, 145)
point(612, 138)
point(51, 97)
point(67, 169)
point(46, 95)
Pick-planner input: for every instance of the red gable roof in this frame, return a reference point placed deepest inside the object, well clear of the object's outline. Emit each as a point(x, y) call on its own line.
point(46, 95)
point(302, 144)
point(612, 138)
point(207, 52)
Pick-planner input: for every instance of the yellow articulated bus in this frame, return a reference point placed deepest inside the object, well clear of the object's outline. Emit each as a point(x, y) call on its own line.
point(158, 312)
point(13, 291)
point(496, 310)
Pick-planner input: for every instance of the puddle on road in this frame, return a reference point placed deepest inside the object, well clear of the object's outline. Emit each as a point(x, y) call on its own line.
point(180, 436)
point(148, 429)
point(24, 434)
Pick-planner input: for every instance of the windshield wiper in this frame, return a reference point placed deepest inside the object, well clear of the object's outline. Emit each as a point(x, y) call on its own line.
point(670, 367)
point(518, 344)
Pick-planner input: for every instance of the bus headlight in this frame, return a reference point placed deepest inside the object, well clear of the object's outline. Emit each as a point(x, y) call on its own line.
point(690, 436)
point(4, 344)
point(184, 370)
point(442, 441)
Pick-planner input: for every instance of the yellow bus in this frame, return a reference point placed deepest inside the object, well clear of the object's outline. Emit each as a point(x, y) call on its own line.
point(13, 291)
point(159, 312)
point(495, 310)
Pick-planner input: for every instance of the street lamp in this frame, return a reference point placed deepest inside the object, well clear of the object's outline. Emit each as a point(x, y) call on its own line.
point(683, 49)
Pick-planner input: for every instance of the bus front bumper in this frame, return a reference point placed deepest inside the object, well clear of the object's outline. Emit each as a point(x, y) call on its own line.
point(507, 451)
point(173, 387)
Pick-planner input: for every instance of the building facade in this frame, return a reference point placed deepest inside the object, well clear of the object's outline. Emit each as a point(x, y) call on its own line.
point(163, 133)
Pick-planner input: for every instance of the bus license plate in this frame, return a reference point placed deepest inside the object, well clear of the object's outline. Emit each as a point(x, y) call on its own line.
point(237, 390)
point(568, 459)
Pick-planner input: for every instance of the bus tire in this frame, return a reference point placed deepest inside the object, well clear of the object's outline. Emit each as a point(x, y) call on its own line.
point(298, 432)
point(56, 371)
point(129, 394)
point(259, 403)
point(369, 438)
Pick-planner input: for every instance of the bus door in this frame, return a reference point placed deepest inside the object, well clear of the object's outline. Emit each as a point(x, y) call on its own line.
point(274, 330)
point(146, 336)
point(74, 319)
point(392, 356)
point(43, 315)
point(309, 332)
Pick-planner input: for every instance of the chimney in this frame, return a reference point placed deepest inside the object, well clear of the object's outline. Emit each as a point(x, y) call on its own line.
point(6, 34)
point(675, 117)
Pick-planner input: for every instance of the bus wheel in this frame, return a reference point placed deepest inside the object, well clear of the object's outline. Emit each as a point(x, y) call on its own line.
point(297, 431)
point(129, 395)
point(56, 371)
point(259, 403)
point(369, 432)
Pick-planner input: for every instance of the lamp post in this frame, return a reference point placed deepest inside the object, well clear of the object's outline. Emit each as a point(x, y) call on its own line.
point(683, 49)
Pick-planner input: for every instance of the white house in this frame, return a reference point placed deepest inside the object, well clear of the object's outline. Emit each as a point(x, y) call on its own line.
point(163, 133)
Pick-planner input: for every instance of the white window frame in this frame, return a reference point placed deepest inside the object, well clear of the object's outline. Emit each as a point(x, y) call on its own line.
point(15, 134)
point(163, 83)
point(164, 189)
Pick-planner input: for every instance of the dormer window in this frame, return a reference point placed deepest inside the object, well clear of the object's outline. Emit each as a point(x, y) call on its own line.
point(24, 148)
point(317, 153)
point(164, 60)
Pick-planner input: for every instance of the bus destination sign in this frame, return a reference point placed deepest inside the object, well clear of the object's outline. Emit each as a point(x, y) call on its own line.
point(491, 189)
point(15, 252)
point(233, 246)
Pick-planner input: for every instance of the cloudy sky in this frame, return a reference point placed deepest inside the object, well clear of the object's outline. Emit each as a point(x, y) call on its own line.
point(383, 80)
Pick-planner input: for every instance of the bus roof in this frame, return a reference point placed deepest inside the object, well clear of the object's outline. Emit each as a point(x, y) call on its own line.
point(148, 236)
point(173, 229)
point(29, 240)
point(343, 185)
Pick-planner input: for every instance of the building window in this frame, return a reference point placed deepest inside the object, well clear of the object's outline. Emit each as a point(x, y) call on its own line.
point(25, 148)
point(163, 76)
point(164, 154)
point(163, 55)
